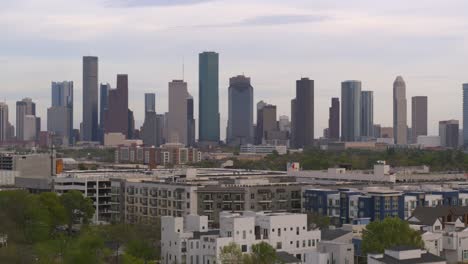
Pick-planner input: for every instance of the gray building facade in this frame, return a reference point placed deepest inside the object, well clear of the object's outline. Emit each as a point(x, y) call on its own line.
point(418, 117)
point(90, 99)
point(303, 111)
point(465, 115)
point(400, 125)
point(208, 107)
point(240, 111)
point(367, 114)
point(351, 110)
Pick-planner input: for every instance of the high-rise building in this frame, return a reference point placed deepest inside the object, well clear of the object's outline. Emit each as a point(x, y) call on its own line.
point(240, 111)
point(90, 99)
point(103, 102)
point(208, 107)
point(448, 133)
point(60, 114)
point(190, 122)
point(150, 102)
point(400, 125)
point(116, 115)
point(266, 121)
point(130, 124)
point(334, 119)
point(350, 110)
point(29, 131)
point(284, 124)
point(177, 130)
point(367, 114)
point(23, 108)
point(465, 115)
point(304, 114)
point(293, 123)
point(4, 124)
point(418, 117)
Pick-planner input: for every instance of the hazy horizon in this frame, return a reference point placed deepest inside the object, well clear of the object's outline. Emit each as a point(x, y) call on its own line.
point(274, 42)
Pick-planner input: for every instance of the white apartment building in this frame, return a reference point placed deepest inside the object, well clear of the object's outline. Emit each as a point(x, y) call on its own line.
point(188, 239)
point(404, 254)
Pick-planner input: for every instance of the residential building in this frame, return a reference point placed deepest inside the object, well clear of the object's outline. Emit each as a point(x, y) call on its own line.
point(367, 114)
point(240, 111)
point(400, 125)
point(405, 254)
point(190, 240)
point(263, 149)
point(303, 114)
point(350, 111)
point(418, 117)
point(208, 111)
point(448, 133)
point(166, 154)
point(334, 119)
point(90, 99)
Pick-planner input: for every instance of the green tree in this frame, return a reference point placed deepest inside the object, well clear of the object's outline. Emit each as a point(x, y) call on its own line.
point(318, 221)
point(51, 202)
point(87, 248)
point(78, 209)
point(262, 253)
point(231, 254)
point(380, 235)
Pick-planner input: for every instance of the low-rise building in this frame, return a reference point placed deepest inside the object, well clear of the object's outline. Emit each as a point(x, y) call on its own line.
point(189, 240)
point(404, 254)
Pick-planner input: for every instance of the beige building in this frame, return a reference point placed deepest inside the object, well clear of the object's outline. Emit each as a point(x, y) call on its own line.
point(400, 125)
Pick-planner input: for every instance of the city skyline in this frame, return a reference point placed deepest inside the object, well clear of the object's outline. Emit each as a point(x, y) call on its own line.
point(375, 62)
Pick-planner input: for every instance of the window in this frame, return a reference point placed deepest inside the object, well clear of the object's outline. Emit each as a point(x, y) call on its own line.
point(297, 243)
point(279, 232)
point(279, 245)
point(229, 234)
point(244, 234)
point(465, 254)
point(244, 248)
point(309, 243)
point(252, 196)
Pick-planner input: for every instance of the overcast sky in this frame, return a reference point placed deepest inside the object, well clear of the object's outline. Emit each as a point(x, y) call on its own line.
point(274, 42)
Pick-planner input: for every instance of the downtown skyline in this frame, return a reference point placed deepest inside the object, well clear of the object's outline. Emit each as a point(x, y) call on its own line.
point(299, 39)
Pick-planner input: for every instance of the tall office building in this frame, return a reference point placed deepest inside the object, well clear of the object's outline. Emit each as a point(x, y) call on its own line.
point(23, 108)
point(4, 124)
point(367, 114)
point(334, 119)
point(90, 99)
point(240, 111)
point(208, 107)
point(177, 130)
point(465, 115)
point(103, 102)
point(418, 117)
point(29, 131)
point(448, 133)
point(304, 114)
point(190, 122)
point(284, 125)
point(60, 114)
point(350, 111)
point(266, 121)
point(292, 135)
point(150, 102)
point(117, 114)
point(400, 125)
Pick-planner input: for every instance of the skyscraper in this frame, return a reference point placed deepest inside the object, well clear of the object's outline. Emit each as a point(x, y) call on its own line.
point(266, 121)
point(240, 111)
point(150, 102)
point(90, 99)
point(23, 108)
point(60, 114)
point(334, 119)
point(351, 110)
point(448, 133)
point(465, 115)
point(117, 114)
point(367, 114)
point(177, 130)
point(104, 102)
point(418, 117)
point(190, 122)
point(304, 113)
point(400, 125)
point(4, 124)
point(208, 107)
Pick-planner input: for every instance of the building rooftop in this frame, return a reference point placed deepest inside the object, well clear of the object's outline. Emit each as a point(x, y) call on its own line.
point(285, 257)
point(423, 259)
point(332, 234)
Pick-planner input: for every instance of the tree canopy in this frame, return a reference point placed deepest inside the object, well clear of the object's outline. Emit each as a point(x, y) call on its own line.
point(381, 235)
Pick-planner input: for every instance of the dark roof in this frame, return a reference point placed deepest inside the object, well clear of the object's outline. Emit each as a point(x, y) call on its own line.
point(425, 258)
point(332, 234)
point(197, 234)
point(428, 215)
point(285, 257)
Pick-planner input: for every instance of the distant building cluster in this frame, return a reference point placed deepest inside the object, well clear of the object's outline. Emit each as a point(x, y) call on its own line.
point(108, 120)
